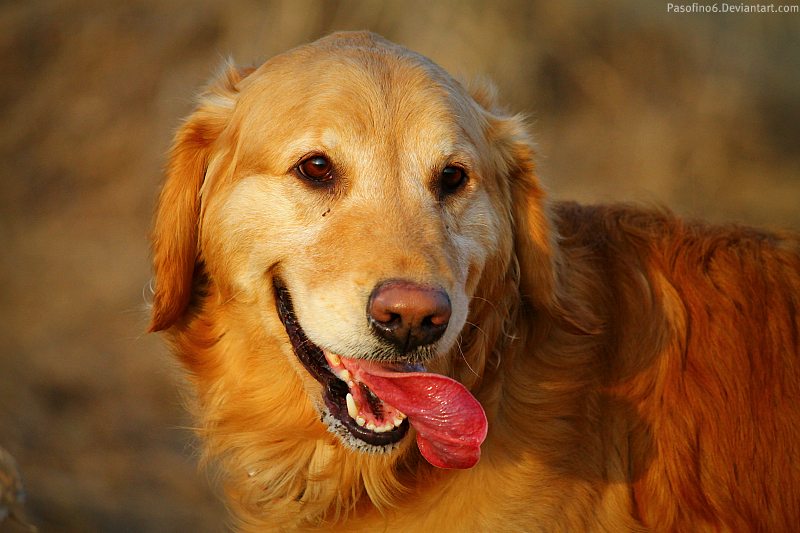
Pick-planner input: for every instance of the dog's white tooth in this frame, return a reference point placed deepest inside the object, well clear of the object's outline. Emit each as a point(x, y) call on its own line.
point(360, 420)
point(333, 359)
point(351, 383)
point(352, 406)
point(399, 420)
point(380, 429)
point(371, 426)
point(344, 375)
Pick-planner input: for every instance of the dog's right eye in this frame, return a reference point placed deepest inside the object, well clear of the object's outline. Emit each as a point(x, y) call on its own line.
point(316, 168)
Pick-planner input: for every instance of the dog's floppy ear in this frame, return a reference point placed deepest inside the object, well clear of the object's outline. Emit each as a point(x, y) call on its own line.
point(175, 230)
point(543, 275)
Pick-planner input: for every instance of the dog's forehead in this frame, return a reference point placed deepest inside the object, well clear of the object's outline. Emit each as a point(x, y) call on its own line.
point(357, 94)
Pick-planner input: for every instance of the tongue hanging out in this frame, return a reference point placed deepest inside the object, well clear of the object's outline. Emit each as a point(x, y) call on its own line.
point(450, 423)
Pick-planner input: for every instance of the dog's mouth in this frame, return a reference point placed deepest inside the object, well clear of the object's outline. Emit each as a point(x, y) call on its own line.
point(350, 403)
point(371, 405)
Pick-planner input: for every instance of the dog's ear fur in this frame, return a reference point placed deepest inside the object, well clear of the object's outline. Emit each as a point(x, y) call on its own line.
point(543, 275)
point(174, 236)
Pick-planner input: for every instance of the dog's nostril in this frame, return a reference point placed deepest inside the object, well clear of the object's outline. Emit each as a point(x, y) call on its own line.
point(409, 315)
point(382, 313)
point(432, 322)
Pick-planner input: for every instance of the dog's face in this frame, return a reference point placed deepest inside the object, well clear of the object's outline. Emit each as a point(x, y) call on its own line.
point(352, 196)
point(344, 181)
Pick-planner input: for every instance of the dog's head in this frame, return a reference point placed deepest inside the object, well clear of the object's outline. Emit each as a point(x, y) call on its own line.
point(363, 211)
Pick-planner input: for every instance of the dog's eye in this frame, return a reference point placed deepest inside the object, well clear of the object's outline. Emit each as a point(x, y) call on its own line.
point(453, 177)
point(316, 168)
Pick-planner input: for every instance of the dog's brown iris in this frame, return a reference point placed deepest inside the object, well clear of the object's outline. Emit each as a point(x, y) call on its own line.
point(316, 168)
point(452, 178)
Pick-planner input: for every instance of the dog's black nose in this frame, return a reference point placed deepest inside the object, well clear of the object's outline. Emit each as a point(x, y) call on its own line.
point(407, 314)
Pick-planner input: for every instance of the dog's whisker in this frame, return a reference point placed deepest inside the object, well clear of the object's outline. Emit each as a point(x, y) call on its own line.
point(476, 326)
point(491, 303)
point(233, 297)
point(506, 322)
point(148, 290)
point(464, 357)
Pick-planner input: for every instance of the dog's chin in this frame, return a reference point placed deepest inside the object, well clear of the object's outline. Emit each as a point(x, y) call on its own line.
point(354, 432)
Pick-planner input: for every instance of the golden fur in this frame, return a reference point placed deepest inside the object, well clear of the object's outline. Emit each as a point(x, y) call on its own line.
point(639, 372)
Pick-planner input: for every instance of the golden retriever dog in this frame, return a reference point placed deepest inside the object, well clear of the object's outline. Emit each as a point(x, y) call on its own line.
point(386, 326)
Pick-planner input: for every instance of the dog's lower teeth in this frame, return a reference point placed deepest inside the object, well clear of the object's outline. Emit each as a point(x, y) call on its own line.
point(354, 408)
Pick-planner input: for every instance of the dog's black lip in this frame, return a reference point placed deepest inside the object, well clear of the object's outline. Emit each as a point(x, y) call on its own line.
point(334, 389)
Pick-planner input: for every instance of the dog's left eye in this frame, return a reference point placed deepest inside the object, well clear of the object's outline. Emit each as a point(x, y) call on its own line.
point(453, 177)
point(316, 168)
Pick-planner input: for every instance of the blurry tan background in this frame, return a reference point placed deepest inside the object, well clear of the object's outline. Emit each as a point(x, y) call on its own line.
point(700, 112)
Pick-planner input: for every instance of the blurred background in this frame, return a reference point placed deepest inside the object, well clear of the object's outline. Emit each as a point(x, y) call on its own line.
point(698, 112)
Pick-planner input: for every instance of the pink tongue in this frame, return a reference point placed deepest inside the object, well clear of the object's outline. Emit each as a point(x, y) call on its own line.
point(450, 423)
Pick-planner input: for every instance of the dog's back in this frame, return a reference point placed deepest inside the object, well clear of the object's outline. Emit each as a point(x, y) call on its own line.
point(703, 333)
